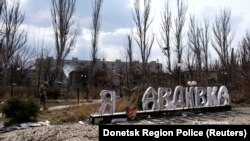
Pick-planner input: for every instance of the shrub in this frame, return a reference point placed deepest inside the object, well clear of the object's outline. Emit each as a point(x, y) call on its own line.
point(122, 105)
point(19, 110)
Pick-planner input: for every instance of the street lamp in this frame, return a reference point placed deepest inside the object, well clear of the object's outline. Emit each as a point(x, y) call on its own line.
point(84, 76)
point(167, 53)
point(120, 80)
point(158, 70)
point(11, 79)
point(225, 78)
point(179, 66)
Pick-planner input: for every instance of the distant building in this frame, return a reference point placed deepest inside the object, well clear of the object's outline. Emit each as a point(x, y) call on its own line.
point(194, 75)
point(74, 70)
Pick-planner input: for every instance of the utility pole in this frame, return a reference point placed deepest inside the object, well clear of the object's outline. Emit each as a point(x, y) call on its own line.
point(120, 79)
point(11, 80)
point(158, 71)
point(12, 67)
point(179, 68)
point(84, 76)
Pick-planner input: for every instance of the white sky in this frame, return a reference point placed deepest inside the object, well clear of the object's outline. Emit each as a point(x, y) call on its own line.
point(117, 22)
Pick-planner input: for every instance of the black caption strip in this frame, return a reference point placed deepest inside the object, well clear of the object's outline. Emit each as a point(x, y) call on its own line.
point(164, 132)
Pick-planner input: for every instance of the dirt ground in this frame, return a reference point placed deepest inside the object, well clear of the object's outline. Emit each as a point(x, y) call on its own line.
point(87, 132)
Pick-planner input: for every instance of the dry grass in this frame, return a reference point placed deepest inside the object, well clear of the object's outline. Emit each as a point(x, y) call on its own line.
point(79, 113)
point(122, 104)
point(238, 99)
point(71, 114)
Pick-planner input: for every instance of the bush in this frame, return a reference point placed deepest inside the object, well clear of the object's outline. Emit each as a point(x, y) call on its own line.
point(19, 111)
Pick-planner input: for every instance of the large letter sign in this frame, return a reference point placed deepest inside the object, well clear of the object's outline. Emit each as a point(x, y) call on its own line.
point(164, 95)
point(178, 97)
point(223, 96)
point(149, 97)
point(166, 99)
point(108, 99)
point(211, 97)
point(189, 97)
point(200, 99)
point(165, 102)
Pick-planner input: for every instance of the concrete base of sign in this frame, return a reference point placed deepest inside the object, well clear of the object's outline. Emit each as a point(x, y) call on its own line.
point(107, 118)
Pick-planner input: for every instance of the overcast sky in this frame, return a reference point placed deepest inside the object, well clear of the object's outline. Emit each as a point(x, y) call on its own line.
point(117, 22)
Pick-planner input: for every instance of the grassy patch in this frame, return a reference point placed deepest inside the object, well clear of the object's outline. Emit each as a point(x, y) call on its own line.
point(49, 103)
point(239, 99)
point(69, 114)
point(77, 113)
point(122, 104)
point(81, 113)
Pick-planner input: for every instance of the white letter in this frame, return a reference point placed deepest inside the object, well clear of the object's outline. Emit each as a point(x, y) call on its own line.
point(211, 96)
point(105, 132)
point(164, 94)
point(108, 98)
point(223, 95)
point(150, 96)
point(189, 96)
point(178, 93)
point(178, 131)
point(200, 99)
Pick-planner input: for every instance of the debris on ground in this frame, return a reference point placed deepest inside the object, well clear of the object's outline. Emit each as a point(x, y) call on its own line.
point(23, 126)
point(131, 112)
point(118, 120)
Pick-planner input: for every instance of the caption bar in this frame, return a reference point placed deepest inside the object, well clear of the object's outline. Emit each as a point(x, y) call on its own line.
point(163, 132)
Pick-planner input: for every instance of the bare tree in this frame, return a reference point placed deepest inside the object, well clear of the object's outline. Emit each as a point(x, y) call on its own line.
point(233, 67)
point(96, 25)
point(194, 41)
point(204, 39)
point(166, 25)
point(129, 52)
point(142, 37)
point(43, 64)
point(245, 53)
point(24, 59)
point(62, 12)
point(178, 32)
point(12, 37)
point(2, 2)
point(244, 67)
point(222, 37)
point(189, 62)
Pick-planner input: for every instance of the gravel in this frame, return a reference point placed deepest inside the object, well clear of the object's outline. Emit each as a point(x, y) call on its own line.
point(88, 132)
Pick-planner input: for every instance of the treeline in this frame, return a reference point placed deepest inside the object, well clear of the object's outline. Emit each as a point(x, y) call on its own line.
point(232, 62)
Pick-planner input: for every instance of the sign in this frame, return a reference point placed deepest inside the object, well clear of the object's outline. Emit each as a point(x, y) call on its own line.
point(167, 99)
